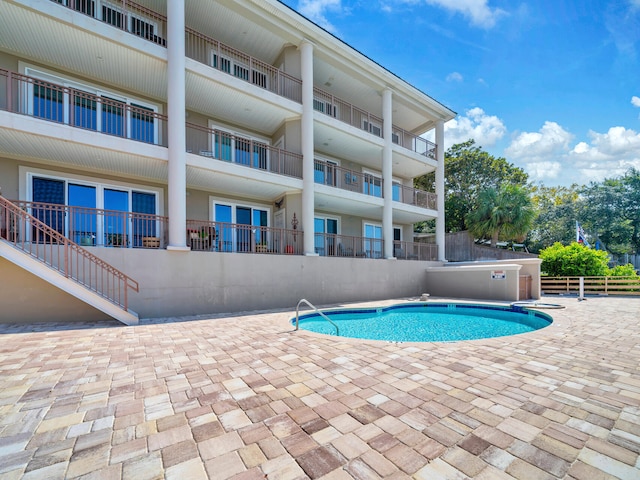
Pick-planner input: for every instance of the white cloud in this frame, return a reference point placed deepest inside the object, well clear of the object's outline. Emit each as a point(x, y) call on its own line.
point(540, 153)
point(549, 140)
point(315, 10)
point(635, 101)
point(477, 11)
point(485, 129)
point(456, 77)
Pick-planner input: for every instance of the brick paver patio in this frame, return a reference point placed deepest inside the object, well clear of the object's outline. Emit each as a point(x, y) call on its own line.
point(244, 397)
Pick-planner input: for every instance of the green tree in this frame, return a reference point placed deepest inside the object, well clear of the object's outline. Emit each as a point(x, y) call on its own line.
point(574, 260)
point(468, 171)
point(556, 213)
point(505, 213)
point(611, 210)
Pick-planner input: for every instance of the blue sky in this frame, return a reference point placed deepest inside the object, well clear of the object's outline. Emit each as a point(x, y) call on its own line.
point(552, 86)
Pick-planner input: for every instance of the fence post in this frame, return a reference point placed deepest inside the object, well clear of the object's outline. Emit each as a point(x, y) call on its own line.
point(581, 297)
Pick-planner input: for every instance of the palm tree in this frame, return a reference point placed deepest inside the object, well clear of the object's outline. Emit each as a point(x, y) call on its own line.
point(503, 213)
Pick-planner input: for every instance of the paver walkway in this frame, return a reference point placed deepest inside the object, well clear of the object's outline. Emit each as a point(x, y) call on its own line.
point(244, 397)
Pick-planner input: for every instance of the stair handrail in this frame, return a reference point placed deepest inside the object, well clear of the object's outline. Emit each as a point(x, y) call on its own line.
point(303, 300)
point(102, 277)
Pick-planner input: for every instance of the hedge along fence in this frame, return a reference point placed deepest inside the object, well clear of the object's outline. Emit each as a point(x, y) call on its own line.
point(592, 285)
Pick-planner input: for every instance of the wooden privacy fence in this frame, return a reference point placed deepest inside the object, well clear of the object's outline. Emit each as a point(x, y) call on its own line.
point(592, 285)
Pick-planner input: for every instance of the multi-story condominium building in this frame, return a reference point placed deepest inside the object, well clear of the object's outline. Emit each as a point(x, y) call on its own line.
point(218, 126)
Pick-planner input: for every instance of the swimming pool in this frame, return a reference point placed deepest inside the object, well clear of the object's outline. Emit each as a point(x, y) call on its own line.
point(426, 322)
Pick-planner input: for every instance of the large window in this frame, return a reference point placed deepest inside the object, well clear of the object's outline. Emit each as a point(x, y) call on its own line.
point(325, 172)
point(90, 213)
point(238, 226)
point(61, 100)
point(239, 149)
point(373, 240)
point(325, 230)
point(372, 185)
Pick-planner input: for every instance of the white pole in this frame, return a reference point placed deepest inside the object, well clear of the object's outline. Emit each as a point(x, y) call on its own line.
point(177, 173)
point(581, 297)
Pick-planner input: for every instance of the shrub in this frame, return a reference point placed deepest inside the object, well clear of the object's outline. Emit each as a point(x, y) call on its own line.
point(574, 260)
point(627, 270)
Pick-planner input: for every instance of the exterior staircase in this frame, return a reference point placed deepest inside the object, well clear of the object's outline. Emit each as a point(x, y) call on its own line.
point(36, 247)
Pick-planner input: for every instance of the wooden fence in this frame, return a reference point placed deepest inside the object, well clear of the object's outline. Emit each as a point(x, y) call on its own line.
point(592, 285)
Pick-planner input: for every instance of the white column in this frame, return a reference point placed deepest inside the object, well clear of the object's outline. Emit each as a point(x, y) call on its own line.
point(176, 126)
point(387, 172)
point(306, 127)
point(440, 230)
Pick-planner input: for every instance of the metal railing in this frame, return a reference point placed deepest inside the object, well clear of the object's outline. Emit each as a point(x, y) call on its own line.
point(338, 245)
point(37, 239)
point(224, 146)
point(56, 103)
point(415, 251)
point(125, 15)
point(332, 106)
point(303, 300)
point(414, 196)
point(95, 227)
point(327, 173)
point(211, 52)
point(238, 238)
point(592, 285)
point(143, 22)
point(413, 142)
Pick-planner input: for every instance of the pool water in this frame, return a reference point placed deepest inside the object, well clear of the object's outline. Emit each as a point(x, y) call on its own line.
point(429, 322)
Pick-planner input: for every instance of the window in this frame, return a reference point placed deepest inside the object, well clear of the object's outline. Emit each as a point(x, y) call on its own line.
point(94, 213)
point(85, 111)
point(142, 124)
point(373, 240)
point(325, 172)
point(243, 150)
point(325, 230)
point(324, 107)
point(48, 102)
point(373, 128)
point(238, 226)
point(113, 15)
point(372, 185)
point(65, 101)
point(238, 70)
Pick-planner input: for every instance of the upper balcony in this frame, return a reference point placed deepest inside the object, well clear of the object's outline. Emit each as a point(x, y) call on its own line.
point(149, 26)
point(128, 139)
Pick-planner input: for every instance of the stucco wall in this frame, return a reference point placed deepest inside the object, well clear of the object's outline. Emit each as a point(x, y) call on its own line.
point(483, 280)
point(178, 283)
point(25, 298)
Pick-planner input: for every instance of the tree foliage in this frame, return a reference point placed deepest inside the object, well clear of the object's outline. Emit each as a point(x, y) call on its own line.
point(504, 213)
point(611, 210)
point(573, 260)
point(556, 215)
point(468, 171)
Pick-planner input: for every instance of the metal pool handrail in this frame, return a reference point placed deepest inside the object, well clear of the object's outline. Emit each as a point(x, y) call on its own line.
point(319, 312)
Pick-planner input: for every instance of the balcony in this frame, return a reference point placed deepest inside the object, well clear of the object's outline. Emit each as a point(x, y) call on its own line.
point(330, 174)
point(332, 106)
point(224, 58)
point(145, 23)
point(336, 245)
point(223, 146)
point(93, 227)
point(76, 108)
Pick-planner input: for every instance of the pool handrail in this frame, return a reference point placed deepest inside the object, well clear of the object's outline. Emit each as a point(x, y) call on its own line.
point(303, 300)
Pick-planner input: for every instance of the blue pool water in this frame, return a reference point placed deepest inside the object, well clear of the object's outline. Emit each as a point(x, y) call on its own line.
point(428, 322)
